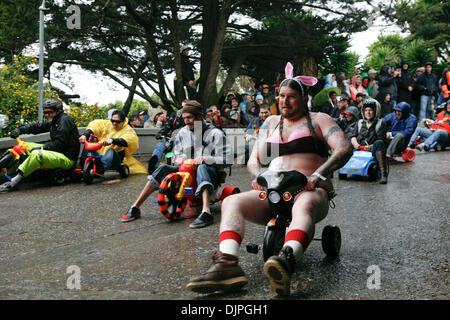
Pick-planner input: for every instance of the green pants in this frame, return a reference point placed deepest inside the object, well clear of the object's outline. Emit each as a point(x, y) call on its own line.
point(44, 159)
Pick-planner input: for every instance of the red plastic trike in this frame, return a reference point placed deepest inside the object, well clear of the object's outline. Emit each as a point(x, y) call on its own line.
point(178, 189)
point(93, 166)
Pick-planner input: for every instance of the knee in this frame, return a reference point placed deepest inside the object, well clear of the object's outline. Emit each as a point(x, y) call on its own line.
point(34, 155)
point(203, 169)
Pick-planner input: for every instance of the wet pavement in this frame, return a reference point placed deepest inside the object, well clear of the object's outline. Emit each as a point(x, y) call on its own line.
point(400, 230)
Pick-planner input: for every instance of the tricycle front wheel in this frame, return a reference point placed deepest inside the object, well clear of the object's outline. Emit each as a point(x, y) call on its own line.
point(273, 241)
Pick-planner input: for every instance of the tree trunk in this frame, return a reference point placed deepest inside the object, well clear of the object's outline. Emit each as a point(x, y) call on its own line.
point(309, 67)
point(129, 101)
point(178, 80)
point(214, 29)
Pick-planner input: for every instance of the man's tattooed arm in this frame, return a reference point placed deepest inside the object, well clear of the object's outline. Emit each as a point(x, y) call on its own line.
point(342, 150)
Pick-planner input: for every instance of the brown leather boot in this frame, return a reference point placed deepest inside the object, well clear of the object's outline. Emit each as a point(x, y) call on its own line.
point(279, 269)
point(224, 275)
point(382, 163)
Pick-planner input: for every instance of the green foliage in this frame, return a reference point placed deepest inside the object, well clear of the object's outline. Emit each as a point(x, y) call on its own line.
point(426, 20)
point(19, 94)
point(395, 49)
point(19, 97)
point(378, 54)
point(82, 113)
point(135, 105)
point(18, 26)
point(417, 53)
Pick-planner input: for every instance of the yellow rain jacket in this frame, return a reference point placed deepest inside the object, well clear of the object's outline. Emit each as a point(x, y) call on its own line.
point(103, 129)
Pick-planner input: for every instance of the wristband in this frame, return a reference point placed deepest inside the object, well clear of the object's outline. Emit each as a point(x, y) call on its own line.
point(318, 175)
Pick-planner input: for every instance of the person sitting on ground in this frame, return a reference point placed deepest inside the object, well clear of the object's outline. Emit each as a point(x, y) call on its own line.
point(401, 125)
point(370, 132)
point(438, 131)
point(214, 112)
point(233, 116)
point(252, 112)
point(174, 122)
point(135, 122)
point(329, 105)
point(358, 103)
point(246, 101)
point(158, 120)
point(303, 139)
point(120, 141)
point(347, 124)
point(60, 153)
point(212, 155)
point(342, 104)
point(385, 103)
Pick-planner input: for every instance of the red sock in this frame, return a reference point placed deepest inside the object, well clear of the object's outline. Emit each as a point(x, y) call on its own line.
point(298, 240)
point(229, 242)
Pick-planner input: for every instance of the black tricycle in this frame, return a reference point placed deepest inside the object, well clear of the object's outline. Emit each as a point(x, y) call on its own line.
point(281, 187)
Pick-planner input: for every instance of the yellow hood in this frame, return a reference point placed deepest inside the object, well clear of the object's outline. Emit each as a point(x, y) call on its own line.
point(104, 129)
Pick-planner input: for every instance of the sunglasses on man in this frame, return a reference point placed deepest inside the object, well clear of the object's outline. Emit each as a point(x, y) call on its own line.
point(116, 121)
point(48, 112)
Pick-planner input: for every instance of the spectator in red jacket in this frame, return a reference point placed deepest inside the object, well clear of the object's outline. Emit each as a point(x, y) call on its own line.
point(437, 132)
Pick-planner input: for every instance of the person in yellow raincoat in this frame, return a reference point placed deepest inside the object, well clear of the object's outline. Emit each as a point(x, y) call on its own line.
point(120, 141)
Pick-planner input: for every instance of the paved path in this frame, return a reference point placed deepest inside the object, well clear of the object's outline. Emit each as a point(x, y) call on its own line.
point(400, 228)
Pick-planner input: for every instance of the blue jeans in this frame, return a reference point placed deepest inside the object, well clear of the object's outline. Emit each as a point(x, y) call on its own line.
point(425, 107)
point(378, 146)
point(112, 159)
point(206, 176)
point(432, 137)
point(159, 150)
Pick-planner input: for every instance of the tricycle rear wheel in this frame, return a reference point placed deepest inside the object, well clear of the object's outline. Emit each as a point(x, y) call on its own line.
point(331, 240)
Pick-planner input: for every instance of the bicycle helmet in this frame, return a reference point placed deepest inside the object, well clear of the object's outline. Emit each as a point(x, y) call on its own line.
point(54, 104)
point(371, 103)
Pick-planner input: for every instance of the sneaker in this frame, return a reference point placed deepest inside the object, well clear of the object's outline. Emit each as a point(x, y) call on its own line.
point(279, 269)
point(203, 220)
point(224, 275)
point(7, 187)
point(420, 146)
point(132, 214)
point(152, 164)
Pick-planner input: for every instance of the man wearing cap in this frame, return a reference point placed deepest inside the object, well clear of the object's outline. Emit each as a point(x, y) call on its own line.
point(347, 124)
point(372, 88)
point(60, 153)
point(187, 72)
point(210, 150)
point(427, 83)
point(342, 104)
point(269, 98)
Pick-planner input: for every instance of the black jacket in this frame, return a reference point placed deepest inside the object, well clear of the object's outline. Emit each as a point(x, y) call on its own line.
point(404, 82)
point(368, 135)
point(63, 134)
point(429, 81)
point(387, 83)
point(174, 122)
point(187, 69)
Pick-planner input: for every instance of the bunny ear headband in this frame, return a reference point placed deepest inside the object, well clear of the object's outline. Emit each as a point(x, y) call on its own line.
point(301, 80)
